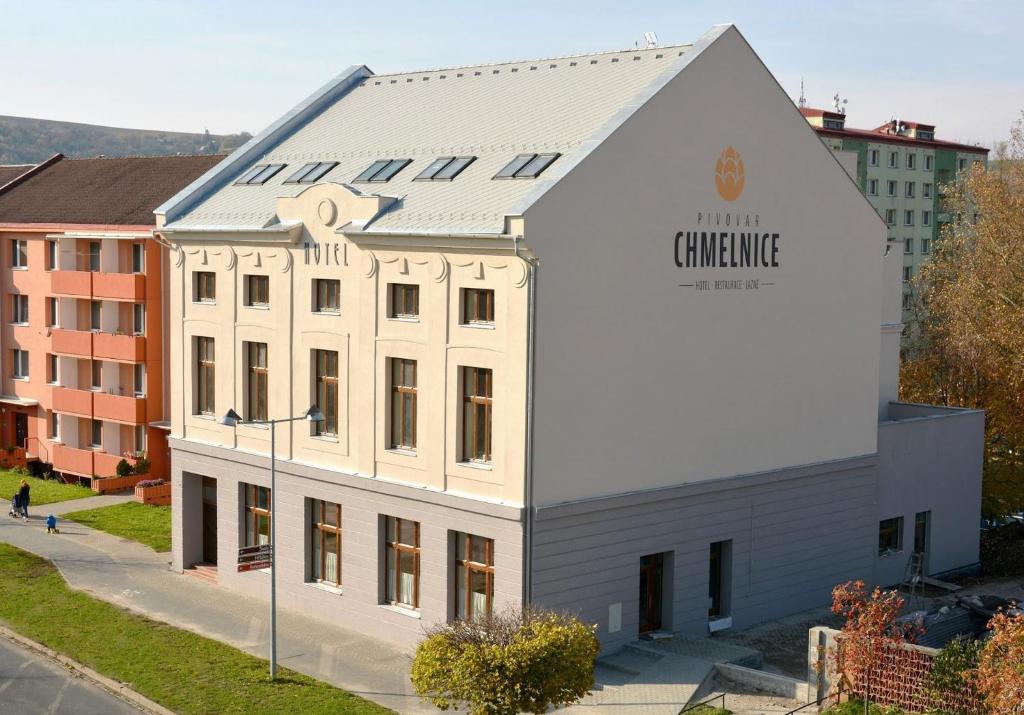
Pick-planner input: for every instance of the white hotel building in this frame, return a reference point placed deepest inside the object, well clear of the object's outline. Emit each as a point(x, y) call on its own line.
point(526, 295)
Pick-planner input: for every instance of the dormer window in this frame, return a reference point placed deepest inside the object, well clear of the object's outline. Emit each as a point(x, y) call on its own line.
point(383, 170)
point(445, 168)
point(526, 166)
point(311, 173)
point(259, 174)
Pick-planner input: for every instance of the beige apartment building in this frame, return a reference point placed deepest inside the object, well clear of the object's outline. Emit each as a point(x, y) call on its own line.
point(583, 335)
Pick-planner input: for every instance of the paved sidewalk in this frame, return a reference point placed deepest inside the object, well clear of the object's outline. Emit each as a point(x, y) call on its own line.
point(133, 576)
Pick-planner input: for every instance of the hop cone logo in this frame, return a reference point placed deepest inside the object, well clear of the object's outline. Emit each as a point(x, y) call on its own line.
point(729, 176)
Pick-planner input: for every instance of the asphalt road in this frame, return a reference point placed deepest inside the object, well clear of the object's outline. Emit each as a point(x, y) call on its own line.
point(32, 683)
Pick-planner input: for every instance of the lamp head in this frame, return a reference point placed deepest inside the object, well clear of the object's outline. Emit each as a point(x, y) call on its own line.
point(230, 418)
point(313, 414)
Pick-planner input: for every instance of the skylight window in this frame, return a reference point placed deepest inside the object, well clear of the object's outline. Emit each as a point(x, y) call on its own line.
point(259, 174)
point(526, 166)
point(311, 173)
point(383, 170)
point(445, 168)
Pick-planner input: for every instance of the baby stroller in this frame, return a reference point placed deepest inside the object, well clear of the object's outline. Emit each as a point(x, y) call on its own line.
point(15, 505)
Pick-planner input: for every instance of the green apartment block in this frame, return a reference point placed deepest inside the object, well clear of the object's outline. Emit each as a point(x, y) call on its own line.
point(900, 166)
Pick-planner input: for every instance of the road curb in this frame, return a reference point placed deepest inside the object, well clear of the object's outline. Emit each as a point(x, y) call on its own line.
point(113, 687)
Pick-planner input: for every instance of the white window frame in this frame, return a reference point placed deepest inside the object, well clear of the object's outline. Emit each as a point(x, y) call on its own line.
point(19, 309)
point(908, 273)
point(929, 160)
point(908, 246)
point(53, 361)
point(891, 188)
point(139, 252)
point(54, 426)
point(872, 187)
point(894, 160)
point(909, 189)
point(21, 364)
point(19, 254)
point(139, 379)
point(908, 217)
point(926, 246)
point(926, 190)
point(873, 157)
point(911, 161)
point(926, 218)
point(92, 434)
point(139, 318)
point(890, 217)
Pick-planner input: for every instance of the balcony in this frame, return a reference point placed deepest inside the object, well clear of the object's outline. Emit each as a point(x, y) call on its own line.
point(117, 408)
point(73, 283)
point(72, 401)
point(119, 286)
point(72, 460)
point(122, 348)
point(72, 342)
point(105, 465)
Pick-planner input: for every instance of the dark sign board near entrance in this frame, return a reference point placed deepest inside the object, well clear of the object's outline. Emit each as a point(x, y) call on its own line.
point(251, 558)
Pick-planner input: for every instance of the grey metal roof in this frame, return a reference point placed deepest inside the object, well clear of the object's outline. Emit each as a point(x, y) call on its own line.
point(492, 112)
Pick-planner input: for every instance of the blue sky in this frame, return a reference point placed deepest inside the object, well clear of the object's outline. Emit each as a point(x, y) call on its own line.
point(231, 66)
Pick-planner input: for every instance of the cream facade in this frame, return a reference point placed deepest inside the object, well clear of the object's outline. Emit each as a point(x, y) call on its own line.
point(692, 354)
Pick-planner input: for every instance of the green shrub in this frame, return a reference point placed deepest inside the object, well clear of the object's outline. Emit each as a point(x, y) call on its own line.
point(506, 664)
point(142, 464)
point(124, 468)
point(856, 707)
point(948, 676)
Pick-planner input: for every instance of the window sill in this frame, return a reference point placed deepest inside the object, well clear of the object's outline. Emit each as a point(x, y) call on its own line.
point(478, 326)
point(19, 268)
point(329, 438)
point(204, 416)
point(257, 307)
point(402, 319)
point(20, 378)
point(329, 313)
point(403, 452)
point(19, 325)
point(484, 466)
point(403, 610)
point(250, 425)
point(889, 552)
point(334, 590)
point(206, 302)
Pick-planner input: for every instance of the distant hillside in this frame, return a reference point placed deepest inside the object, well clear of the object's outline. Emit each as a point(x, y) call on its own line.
point(28, 141)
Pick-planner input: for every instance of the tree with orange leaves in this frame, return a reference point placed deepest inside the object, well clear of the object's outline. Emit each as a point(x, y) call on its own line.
point(869, 630)
point(965, 347)
point(1000, 673)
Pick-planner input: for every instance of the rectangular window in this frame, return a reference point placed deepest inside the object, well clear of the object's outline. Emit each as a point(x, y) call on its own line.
point(961, 164)
point(326, 532)
point(872, 187)
point(326, 295)
point(51, 255)
point(403, 403)
point(891, 188)
point(138, 257)
point(256, 530)
point(96, 434)
point(54, 426)
point(259, 174)
point(926, 191)
point(402, 571)
point(926, 245)
point(140, 439)
point(719, 579)
point(256, 381)
point(890, 217)
point(95, 312)
point(908, 273)
point(908, 246)
point(52, 317)
point(52, 369)
point(444, 168)
point(19, 309)
point(139, 380)
point(911, 161)
point(94, 256)
point(139, 318)
point(19, 253)
point(405, 300)
point(311, 173)
point(326, 362)
point(908, 189)
point(383, 170)
point(477, 306)
point(908, 217)
point(477, 387)
point(96, 374)
point(257, 291)
point(890, 535)
point(926, 218)
point(20, 364)
point(474, 576)
point(205, 287)
point(873, 157)
point(894, 159)
point(206, 382)
point(908, 301)
point(928, 162)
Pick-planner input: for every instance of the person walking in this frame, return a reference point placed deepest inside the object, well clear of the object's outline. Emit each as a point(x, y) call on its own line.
point(23, 499)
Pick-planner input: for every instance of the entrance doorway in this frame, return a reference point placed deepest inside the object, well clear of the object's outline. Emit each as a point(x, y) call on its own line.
point(720, 582)
point(209, 520)
point(922, 537)
point(20, 430)
point(652, 591)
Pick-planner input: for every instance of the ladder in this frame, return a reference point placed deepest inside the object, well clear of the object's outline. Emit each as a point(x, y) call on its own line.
point(913, 578)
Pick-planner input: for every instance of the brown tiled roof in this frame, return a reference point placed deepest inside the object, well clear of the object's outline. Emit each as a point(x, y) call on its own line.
point(12, 171)
point(103, 191)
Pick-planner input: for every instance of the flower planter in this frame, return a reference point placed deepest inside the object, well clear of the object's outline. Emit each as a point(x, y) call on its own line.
point(160, 494)
point(104, 485)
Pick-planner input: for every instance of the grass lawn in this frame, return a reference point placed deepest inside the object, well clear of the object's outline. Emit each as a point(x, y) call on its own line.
point(43, 491)
point(708, 710)
point(146, 523)
point(178, 669)
point(856, 707)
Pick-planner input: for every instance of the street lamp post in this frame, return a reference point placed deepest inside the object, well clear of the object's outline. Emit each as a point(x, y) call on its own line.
point(233, 419)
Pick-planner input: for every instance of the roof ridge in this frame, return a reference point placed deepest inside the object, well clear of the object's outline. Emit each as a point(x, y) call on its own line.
point(527, 60)
point(143, 156)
